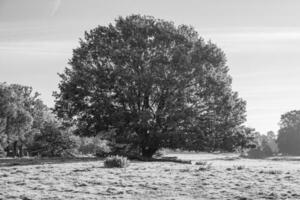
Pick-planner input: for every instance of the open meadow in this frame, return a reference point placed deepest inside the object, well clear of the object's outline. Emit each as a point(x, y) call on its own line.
point(210, 176)
point(121, 99)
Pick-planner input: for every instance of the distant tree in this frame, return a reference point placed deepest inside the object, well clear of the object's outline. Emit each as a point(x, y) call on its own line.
point(22, 115)
point(271, 140)
point(16, 120)
point(242, 138)
point(265, 145)
point(155, 84)
point(271, 135)
point(289, 133)
point(5, 111)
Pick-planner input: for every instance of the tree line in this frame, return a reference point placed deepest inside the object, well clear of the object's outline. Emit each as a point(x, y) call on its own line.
point(27, 125)
point(141, 84)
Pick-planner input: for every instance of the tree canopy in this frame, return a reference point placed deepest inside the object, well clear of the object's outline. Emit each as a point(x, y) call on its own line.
point(289, 133)
point(22, 114)
point(154, 83)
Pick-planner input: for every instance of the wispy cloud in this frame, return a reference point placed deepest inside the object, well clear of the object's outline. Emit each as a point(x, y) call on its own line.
point(255, 39)
point(259, 34)
point(55, 7)
point(39, 47)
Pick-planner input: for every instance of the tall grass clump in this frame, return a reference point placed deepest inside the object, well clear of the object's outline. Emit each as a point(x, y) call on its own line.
point(116, 162)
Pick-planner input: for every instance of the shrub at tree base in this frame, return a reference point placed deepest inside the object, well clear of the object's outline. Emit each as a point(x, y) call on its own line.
point(93, 145)
point(116, 161)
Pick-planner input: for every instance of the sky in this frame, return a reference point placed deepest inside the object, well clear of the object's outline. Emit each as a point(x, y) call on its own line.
point(261, 39)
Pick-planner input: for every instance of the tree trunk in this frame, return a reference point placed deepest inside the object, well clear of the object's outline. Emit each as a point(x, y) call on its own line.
point(7, 151)
point(148, 152)
point(21, 150)
point(15, 150)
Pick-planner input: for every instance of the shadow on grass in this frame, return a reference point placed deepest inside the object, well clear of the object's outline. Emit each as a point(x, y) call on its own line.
point(285, 158)
point(10, 162)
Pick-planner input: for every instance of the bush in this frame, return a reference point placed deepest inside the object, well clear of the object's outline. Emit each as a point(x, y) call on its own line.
point(94, 145)
point(86, 145)
point(52, 141)
point(116, 161)
point(239, 167)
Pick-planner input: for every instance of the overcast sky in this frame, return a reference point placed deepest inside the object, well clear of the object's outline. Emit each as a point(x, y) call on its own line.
point(261, 39)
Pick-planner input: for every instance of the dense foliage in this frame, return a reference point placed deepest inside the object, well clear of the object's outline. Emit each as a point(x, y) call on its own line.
point(25, 122)
point(289, 133)
point(265, 145)
point(52, 140)
point(93, 145)
point(155, 84)
point(21, 116)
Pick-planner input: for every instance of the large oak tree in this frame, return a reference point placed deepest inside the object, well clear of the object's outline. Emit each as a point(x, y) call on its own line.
point(156, 84)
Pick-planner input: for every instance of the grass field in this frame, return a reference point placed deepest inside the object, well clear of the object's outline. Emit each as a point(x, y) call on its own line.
point(217, 176)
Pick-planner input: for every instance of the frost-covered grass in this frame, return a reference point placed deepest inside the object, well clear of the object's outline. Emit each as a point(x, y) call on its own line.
point(246, 179)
